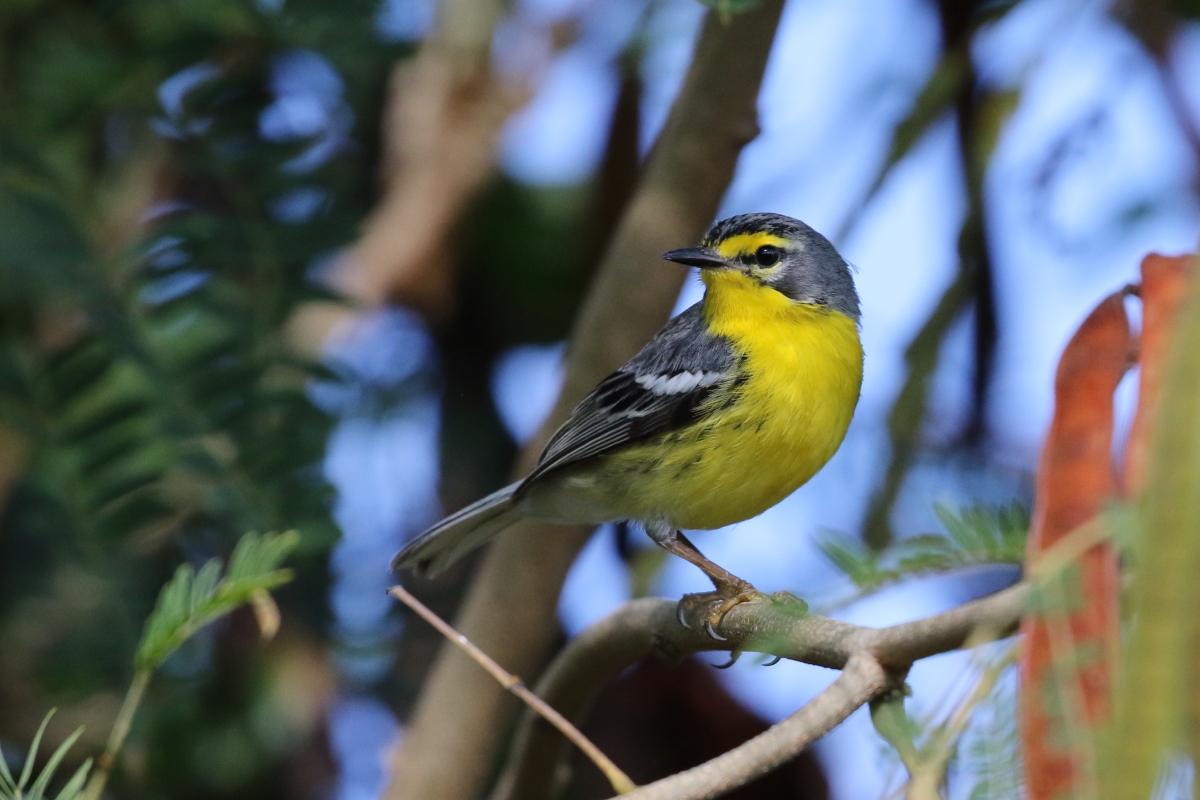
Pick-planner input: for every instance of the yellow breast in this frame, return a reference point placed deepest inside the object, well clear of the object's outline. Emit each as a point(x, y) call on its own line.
point(803, 371)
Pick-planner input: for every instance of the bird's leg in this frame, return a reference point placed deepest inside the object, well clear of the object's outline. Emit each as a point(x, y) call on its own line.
point(730, 589)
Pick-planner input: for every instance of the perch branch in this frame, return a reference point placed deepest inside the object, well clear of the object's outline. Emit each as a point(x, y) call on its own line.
point(647, 626)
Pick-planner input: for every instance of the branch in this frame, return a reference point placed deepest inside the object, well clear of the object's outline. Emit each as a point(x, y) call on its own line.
point(861, 680)
point(510, 612)
point(647, 626)
point(445, 109)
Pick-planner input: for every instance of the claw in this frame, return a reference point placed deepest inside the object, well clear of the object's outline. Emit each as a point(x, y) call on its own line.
point(773, 661)
point(733, 657)
point(681, 615)
point(715, 605)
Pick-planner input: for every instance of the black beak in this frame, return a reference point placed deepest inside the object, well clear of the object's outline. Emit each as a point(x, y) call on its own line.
point(696, 257)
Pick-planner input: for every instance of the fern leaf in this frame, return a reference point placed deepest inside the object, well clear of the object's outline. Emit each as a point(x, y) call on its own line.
point(191, 600)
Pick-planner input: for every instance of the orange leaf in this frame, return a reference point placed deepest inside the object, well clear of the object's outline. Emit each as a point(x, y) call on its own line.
point(1068, 653)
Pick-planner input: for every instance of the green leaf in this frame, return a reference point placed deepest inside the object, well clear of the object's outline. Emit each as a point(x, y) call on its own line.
point(41, 249)
point(897, 728)
point(7, 785)
point(39, 786)
point(975, 535)
point(74, 787)
point(79, 368)
point(33, 748)
point(191, 600)
point(15, 790)
point(851, 557)
point(106, 418)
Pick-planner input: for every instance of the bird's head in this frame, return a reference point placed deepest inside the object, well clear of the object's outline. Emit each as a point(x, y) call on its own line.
point(778, 252)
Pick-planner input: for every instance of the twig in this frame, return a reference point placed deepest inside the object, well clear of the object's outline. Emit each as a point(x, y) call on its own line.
point(619, 780)
point(646, 626)
point(116, 739)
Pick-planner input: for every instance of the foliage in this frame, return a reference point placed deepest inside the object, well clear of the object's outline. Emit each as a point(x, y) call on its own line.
point(16, 789)
point(159, 228)
point(976, 535)
point(991, 746)
point(975, 727)
point(193, 599)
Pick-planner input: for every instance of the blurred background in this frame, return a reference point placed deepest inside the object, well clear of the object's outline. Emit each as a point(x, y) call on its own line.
point(275, 264)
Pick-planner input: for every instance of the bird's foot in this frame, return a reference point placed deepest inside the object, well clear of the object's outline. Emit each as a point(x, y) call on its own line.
point(717, 604)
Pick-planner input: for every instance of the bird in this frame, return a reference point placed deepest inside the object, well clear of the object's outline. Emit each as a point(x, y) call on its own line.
point(733, 405)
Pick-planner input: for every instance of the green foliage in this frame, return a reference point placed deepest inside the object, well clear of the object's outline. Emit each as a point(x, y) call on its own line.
point(895, 726)
point(976, 535)
point(192, 599)
point(992, 752)
point(15, 789)
point(152, 408)
point(981, 729)
point(150, 405)
point(145, 361)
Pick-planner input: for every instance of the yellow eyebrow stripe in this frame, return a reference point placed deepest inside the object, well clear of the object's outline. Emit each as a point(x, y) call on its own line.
point(747, 243)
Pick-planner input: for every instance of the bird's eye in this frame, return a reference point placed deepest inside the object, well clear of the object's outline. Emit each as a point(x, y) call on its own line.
point(767, 255)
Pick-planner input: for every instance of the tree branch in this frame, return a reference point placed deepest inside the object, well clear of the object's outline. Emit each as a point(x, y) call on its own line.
point(445, 109)
point(861, 680)
point(510, 611)
point(647, 626)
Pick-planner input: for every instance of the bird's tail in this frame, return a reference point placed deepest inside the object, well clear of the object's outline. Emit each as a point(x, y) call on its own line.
point(460, 533)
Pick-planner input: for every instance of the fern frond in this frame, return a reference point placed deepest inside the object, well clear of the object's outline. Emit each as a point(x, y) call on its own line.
point(191, 600)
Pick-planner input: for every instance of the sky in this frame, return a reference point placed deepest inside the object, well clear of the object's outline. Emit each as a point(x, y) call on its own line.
point(1090, 173)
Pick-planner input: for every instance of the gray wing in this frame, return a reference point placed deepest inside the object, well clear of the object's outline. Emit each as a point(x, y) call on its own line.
point(662, 388)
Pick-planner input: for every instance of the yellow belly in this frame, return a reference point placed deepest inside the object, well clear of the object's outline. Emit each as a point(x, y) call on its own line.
point(787, 419)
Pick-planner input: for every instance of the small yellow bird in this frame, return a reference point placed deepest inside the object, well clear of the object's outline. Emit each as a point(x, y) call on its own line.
point(731, 407)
